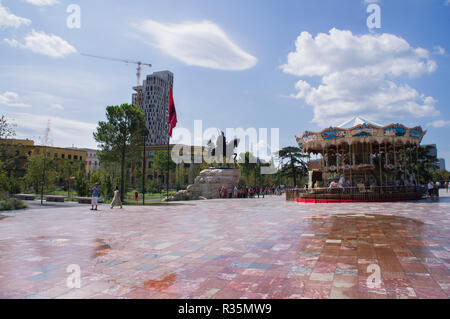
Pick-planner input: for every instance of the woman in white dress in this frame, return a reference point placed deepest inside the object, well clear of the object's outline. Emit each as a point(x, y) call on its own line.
point(116, 200)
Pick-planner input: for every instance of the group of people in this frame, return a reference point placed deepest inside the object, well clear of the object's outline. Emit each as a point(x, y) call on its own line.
point(96, 192)
point(248, 192)
point(433, 188)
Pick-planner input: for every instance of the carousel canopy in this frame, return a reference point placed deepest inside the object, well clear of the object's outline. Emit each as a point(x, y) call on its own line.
point(358, 120)
point(359, 130)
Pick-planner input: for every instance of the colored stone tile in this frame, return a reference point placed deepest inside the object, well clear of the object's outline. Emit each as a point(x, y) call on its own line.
point(264, 249)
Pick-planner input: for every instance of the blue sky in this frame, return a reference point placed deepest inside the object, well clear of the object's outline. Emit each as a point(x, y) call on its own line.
point(231, 65)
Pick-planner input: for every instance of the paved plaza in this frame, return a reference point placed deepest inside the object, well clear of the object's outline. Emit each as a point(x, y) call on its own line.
point(233, 248)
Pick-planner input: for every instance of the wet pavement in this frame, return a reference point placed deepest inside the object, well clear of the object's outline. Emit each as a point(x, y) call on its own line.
point(250, 248)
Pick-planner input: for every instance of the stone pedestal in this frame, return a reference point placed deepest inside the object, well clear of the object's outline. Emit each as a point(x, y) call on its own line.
point(207, 184)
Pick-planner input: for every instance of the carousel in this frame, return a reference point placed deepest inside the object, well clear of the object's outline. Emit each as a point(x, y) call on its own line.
point(361, 161)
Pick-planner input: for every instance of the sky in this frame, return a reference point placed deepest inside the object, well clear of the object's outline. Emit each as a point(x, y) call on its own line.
point(293, 65)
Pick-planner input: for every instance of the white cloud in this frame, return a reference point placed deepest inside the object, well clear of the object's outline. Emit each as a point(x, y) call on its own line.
point(439, 50)
point(41, 3)
point(197, 43)
point(57, 106)
point(11, 99)
point(439, 123)
point(45, 44)
point(63, 132)
point(358, 76)
point(7, 19)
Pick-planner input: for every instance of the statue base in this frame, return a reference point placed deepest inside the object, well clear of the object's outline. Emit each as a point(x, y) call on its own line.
point(208, 183)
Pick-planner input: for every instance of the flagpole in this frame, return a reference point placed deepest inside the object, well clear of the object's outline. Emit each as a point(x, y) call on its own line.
point(168, 167)
point(172, 123)
point(168, 141)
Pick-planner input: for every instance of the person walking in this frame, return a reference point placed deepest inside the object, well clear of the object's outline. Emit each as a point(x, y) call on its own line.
point(430, 187)
point(437, 187)
point(136, 196)
point(235, 192)
point(116, 200)
point(446, 186)
point(95, 192)
point(258, 190)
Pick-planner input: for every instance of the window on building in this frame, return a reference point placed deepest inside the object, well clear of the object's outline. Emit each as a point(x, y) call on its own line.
point(69, 156)
point(75, 157)
point(81, 158)
point(63, 155)
point(56, 155)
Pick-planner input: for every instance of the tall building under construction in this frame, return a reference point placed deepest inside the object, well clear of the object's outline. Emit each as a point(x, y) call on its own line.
point(154, 101)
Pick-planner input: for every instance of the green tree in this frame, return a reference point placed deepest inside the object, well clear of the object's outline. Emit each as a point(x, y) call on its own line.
point(4, 185)
point(441, 175)
point(119, 136)
point(68, 170)
point(293, 162)
point(247, 164)
point(160, 163)
point(81, 183)
point(7, 149)
point(41, 171)
point(426, 165)
point(153, 186)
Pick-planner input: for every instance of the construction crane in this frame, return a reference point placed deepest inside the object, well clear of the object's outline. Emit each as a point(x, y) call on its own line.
point(138, 69)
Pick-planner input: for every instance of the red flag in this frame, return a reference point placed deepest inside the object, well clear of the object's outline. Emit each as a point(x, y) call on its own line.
point(172, 113)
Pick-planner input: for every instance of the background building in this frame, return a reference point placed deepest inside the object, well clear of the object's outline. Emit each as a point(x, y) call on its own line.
point(154, 101)
point(20, 150)
point(92, 161)
point(184, 171)
point(441, 163)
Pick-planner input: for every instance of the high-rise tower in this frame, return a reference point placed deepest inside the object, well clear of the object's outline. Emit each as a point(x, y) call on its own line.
point(154, 101)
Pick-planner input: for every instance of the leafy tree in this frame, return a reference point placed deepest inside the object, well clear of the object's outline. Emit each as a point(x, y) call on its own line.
point(81, 183)
point(441, 175)
point(7, 132)
point(247, 164)
point(153, 186)
point(160, 163)
point(4, 186)
point(293, 163)
point(119, 136)
point(14, 185)
point(68, 170)
point(426, 165)
point(41, 171)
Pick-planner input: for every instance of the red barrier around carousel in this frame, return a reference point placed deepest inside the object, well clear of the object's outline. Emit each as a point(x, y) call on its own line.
point(328, 201)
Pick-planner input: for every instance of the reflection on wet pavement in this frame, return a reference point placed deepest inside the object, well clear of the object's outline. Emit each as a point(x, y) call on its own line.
point(161, 284)
point(254, 248)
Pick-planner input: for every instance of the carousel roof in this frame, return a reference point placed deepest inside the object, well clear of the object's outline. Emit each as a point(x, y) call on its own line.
point(359, 129)
point(357, 120)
